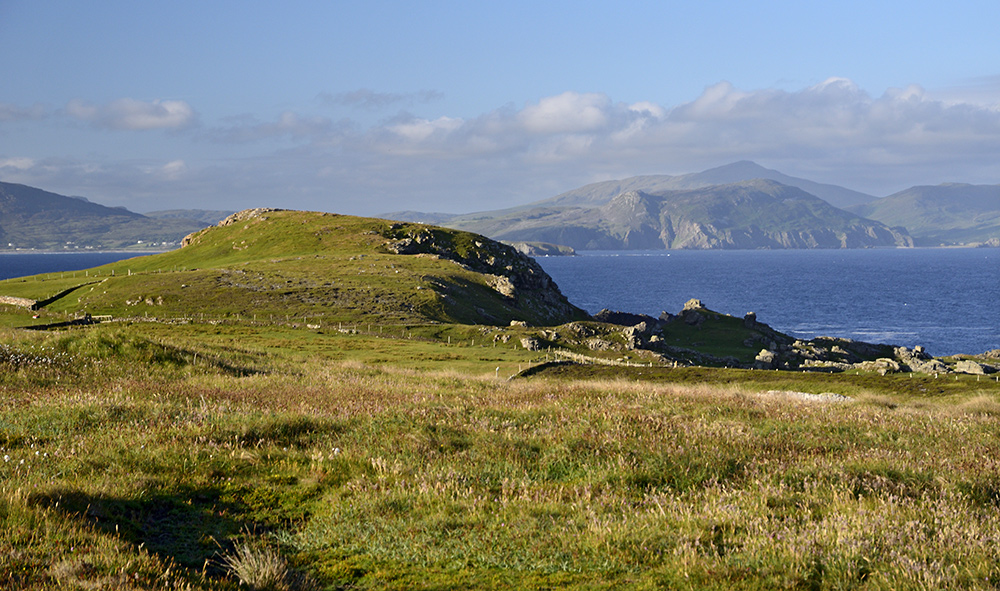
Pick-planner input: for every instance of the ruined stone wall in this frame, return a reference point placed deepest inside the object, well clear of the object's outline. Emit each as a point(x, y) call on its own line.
point(21, 302)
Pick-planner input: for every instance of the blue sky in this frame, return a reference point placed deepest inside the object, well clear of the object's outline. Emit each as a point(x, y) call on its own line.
point(372, 107)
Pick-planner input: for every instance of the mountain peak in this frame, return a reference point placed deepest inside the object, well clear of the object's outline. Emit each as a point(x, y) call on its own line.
point(741, 168)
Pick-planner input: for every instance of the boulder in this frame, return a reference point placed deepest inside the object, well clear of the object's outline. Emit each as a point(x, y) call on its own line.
point(927, 366)
point(598, 344)
point(883, 366)
point(971, 367)
point(531, 344)
point(765, 359)
point(693, 304)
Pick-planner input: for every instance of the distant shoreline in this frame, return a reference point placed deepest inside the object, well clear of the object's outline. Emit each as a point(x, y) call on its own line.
point(109, 251)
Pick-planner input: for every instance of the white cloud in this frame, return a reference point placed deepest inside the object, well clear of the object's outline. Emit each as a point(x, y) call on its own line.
point(566, 113)
point(172, 170)
point(831, 132)
point(16, 164)
point(418, 130)
point(131, 114)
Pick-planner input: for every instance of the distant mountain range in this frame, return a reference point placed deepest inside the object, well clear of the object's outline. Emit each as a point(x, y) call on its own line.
point(739, 206)
point(947, 214)
point(31, 218)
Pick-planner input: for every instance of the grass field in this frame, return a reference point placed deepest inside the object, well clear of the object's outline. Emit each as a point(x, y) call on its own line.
point(149, 456)
point(309, 401)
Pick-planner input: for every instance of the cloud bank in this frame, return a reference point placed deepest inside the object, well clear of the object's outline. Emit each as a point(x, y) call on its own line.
point(830, 132)
point(131, 114)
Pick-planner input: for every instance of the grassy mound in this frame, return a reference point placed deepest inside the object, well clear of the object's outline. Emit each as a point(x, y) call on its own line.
point(315, 268)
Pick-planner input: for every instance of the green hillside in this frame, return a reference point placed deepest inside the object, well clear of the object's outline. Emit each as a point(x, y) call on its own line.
point(31, 218)
point(947, 214)
point(316, 268)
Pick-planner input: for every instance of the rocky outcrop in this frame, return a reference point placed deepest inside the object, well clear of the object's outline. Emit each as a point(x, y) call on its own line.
point(542, 249)
point(239, 216)
point(972, 367)
point(767, 349)
point(516, 276)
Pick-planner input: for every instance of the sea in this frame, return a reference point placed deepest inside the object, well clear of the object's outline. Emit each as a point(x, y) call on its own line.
point(947, 300)
point(20, 264)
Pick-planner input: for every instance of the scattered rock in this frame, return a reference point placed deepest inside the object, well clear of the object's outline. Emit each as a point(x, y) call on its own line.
point(972, 367)
point(882, 365)
point(597, 344)
point(765, 359)
point(805, 396)
point(693, 304)
point(503, 285)
point(245, 215)
point(531, 344)
point(403, 246)
point(580, 331)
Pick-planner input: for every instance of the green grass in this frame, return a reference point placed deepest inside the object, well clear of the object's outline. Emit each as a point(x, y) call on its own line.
point(370, 462)
point(294, 414)
point(314, 268)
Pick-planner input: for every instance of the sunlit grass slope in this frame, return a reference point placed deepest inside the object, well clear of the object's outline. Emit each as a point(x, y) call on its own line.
point(131, 462)
point(318, 268)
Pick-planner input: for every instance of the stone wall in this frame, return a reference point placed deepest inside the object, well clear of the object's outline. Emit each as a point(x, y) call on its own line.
point(22, 302)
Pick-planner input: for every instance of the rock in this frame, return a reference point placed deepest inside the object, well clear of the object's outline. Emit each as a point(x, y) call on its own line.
point(580, 331)
point(245, 215)
point(971, 367)
point(829, 365)
point(503, 285)
point(403, 246)
point(905, 354)
point(531, 344)
point(693, 304)
point(765, 359)
point(883, 366)
point(750, 320)
point(597, 344)
point(928, 366)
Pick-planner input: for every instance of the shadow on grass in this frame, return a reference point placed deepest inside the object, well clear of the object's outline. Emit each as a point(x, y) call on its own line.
point(189, 527)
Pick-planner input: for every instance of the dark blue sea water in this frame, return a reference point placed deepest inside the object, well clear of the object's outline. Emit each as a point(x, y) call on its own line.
point(33, 263)
point(947, 300)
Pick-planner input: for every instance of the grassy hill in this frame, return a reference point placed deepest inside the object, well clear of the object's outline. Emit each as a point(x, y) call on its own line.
point(948, 214)
point(316, 268)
